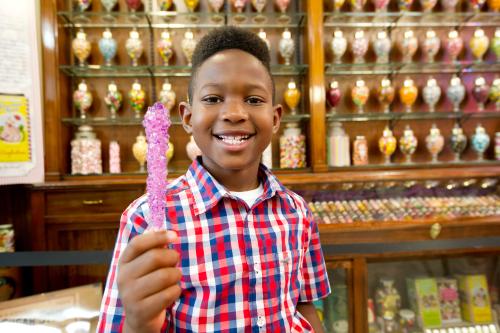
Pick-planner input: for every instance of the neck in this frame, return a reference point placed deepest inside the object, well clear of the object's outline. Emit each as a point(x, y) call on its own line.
point(235, 180)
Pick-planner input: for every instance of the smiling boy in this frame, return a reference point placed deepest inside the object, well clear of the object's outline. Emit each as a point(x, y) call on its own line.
point(244, 253)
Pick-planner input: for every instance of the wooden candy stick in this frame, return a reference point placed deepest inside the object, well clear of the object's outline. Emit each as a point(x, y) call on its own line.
point(156, 123)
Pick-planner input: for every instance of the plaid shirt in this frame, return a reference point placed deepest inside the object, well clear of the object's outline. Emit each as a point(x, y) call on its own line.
point(244, 269)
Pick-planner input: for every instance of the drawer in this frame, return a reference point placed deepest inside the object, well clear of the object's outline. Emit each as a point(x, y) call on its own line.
point(86, 201)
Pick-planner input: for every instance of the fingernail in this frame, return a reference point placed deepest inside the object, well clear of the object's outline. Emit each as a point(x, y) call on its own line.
point(171, 235)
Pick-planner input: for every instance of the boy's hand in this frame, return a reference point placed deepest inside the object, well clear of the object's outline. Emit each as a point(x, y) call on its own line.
point(148, 281)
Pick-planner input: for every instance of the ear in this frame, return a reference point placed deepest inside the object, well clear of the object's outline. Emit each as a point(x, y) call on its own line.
point(277, 112)
point(185, 113)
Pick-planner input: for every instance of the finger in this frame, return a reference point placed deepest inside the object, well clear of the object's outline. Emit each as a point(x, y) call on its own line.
point(142, 243)
point(160, 301)
point(156, 282)
point(150, 261)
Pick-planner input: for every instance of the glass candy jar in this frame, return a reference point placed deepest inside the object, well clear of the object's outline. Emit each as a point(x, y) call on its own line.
point(408, 45)
point(134, 47)
point(480, 92)
point(338, 146)
point(408, 94)
point(357, 5)
point(109, 4)
point(387, 298)
point(282, 5)
point(382, 47)
point(262, 34)
point(333, 95)
point(114, 157)
point(168, 96)
point(408, 143)
point(385, 94)
point(456, 92)
point(338, 46)
point(359, 46)
point(164, 47)
point(107, 47)
point(337, 5)
point(431, 45)
point(216, 6)
point(458, 141)
point(292, 147)
point(495, 43)
point(454, 45)
point(291, 97)
point(476, 5)
point(381, 5)
point(134, 5)
point(259, 5)
point(428, 5)
point(434, 142)
point(81, 47)
point(449, 5)
point(85, 152)
point(82, 99)
point(480, 141)
point(360, 94)
point(165, 5)
point(188, 44)
point(387, 144)
point(192, 4)
point(494, 95)
point(405, 5)
point(113, 100)
point(360, 151)
point(137, 98)
point(286, 46)
point(479, 44)
point(431, 93)
point(82, 5)
point(139, 150)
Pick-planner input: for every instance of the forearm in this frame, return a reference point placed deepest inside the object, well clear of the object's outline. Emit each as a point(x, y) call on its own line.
point(308, 311)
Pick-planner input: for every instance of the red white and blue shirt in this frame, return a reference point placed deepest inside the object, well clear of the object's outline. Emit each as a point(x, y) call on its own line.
point(244, 269)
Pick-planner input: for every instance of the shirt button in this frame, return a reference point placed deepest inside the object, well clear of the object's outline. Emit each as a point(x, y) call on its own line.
point(260, 321)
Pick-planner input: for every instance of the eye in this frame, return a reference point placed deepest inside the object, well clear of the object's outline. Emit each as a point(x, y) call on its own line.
point(212, 99)
point(254, 100)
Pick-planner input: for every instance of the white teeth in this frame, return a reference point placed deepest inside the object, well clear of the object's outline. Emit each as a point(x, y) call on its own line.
point(233, 140)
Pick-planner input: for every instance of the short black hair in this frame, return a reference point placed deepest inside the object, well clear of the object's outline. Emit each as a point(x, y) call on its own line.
point(225, 38)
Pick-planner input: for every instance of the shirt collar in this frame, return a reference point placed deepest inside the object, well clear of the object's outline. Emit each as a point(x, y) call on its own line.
point(207, 191)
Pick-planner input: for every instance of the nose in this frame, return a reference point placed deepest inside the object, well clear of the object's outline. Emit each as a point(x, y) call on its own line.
point(234, 111)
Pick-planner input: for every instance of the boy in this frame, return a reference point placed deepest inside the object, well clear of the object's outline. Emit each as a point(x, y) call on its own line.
point(247, 249)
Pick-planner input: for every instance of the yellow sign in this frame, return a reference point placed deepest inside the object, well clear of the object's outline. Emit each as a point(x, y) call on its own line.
point(14, 129)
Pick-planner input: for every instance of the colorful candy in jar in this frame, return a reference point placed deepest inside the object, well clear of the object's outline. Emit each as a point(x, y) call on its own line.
point(165, 5)
point(109, 4)
point(239, 5)
point(81, 47)
point(381, 5)
point(428, 5)
point(405, 5)
point(479, 44)
point(333, 95)
point(408, 45)
point(494, 94)
point(137, 98)
point(167, 96)
point(292, 147)
point(360, 151)
point(494, 5)
point(82, 99)
point(107, 47)
point(286, 46)
point(113, 100)
point(449, 5)
point(434, 142)
point(382, 47)
point(292, 97)
point(164, 47)
point(338, 45)
point(360, 94)
point(455, 92)
point(480, 141)
point(408, 143)
point(192, 4)
point(82, 5)
point(86, 152)
point(495, 43)
point(359, 46)
point(385, 94)
point(480, 92)
point(283, 5)
point(134, 47)
point(454, 45)
point(408, 94)
point(458, 141)
point(259, 5)
point(134, 5)
point(476, 5)
point(431, 45)
point(188, 44)
point(431, 93)
point(387, 144)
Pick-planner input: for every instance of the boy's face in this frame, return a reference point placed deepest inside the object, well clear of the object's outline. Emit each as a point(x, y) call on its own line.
point(231, 116)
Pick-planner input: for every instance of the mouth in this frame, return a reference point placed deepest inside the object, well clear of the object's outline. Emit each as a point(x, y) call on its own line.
point(233, 140)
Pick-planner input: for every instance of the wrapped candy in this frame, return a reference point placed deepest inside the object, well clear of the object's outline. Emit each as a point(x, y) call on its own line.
point(156, 123)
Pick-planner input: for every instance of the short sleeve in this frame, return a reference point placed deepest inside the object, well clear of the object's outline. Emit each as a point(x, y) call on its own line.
point(315, 277)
